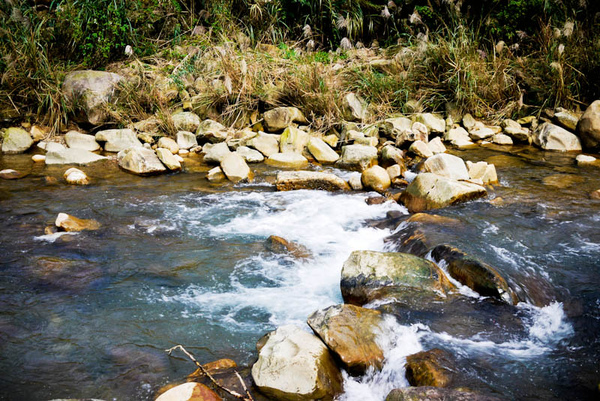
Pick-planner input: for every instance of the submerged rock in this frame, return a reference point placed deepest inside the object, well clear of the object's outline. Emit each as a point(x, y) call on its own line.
point(369, 275)
point(589, 127)
point(431, 191)
point(189, 392)
point(293, 180)
point(16, 140)
point(296, 365)
point(277, 244)
point(72, 156)
point(552, 137)
point(88, 92)
point(140, 161)
point(66, 222)
point(435, 394)
point(433, 368)
point(478, 276)
point(351, 333)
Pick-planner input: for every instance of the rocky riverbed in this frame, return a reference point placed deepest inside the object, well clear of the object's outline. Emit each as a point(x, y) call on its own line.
point(428, 256)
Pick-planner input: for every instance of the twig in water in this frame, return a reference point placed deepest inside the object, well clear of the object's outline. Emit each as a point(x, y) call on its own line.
point(248, 396)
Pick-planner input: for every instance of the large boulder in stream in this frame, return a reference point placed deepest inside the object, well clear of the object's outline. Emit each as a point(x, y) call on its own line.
point(589, 127)
point(431, 191)
point(475, 274)
point(88, 92)
point(351, 333)
point(293, 180)
point(295, 365)
point(435, 394)
point(140, 161)
point(235, 168)
point(370, 275)
point(433, 368)
point(16, 140)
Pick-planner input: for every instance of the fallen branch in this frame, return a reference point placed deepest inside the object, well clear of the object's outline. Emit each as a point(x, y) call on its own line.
point(247, 397)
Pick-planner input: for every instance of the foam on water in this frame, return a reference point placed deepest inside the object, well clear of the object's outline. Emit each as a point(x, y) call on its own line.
point(279, 290)
point(53, 237)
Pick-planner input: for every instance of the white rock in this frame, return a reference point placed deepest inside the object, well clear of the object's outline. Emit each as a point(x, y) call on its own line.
point(446, 165)
point(552, 137)
point(420, 149)
point(216, 175)
point(118, 139)
point(186, 140)
point(77, 140)
point(169, 144)
point(72, 156)
point(287, 160)
point(436, 146)
point(321, 151)
point(168, 159)
point(501, 139)
point(250, 155)
point(139, 160)
point(235, 168)
point(267, 144)
point(38, 158)
point(214, 154)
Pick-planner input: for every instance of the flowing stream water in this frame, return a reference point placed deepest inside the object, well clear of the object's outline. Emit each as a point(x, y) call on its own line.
point(179, 261)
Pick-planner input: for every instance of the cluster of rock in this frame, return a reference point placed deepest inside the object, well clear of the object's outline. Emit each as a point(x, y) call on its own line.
point(295, 364)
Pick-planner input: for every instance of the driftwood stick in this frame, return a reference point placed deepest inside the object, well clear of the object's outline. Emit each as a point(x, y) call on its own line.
point(248, 397)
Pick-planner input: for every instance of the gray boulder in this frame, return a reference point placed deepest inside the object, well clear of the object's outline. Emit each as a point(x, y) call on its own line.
point(552, 137)
point(447, 165)
point(186, 140)
point(118, 139)
point(77, 140)
point(589, 127)
point(16, 140)
point(140, 161)
point(88, 92)
point(211, 131)
point(370, 275)
point(280, 118)
point(186, 121)
point(235, 168)
point(431, 191)
point(357, 157)
point(72, 156)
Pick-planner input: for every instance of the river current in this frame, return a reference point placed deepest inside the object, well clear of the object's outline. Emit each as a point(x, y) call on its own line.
point(180, 261)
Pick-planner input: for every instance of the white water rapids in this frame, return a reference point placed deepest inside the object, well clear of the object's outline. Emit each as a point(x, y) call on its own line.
point(266, 291)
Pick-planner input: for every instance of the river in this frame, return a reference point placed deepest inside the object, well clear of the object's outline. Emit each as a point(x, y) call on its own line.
point(181, 261)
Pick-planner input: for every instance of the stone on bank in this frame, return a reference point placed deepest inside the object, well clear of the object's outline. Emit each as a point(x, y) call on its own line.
point(16, 140)
point(140, 161)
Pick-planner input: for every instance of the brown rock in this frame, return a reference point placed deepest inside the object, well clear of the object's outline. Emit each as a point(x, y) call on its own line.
point(435, 394)
point(10, 174)
point(478, 276)
point(351, 332)
point(277, 244)
point(595, 194)
point(213, 368)
point(430, 368)
point(66, 222)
